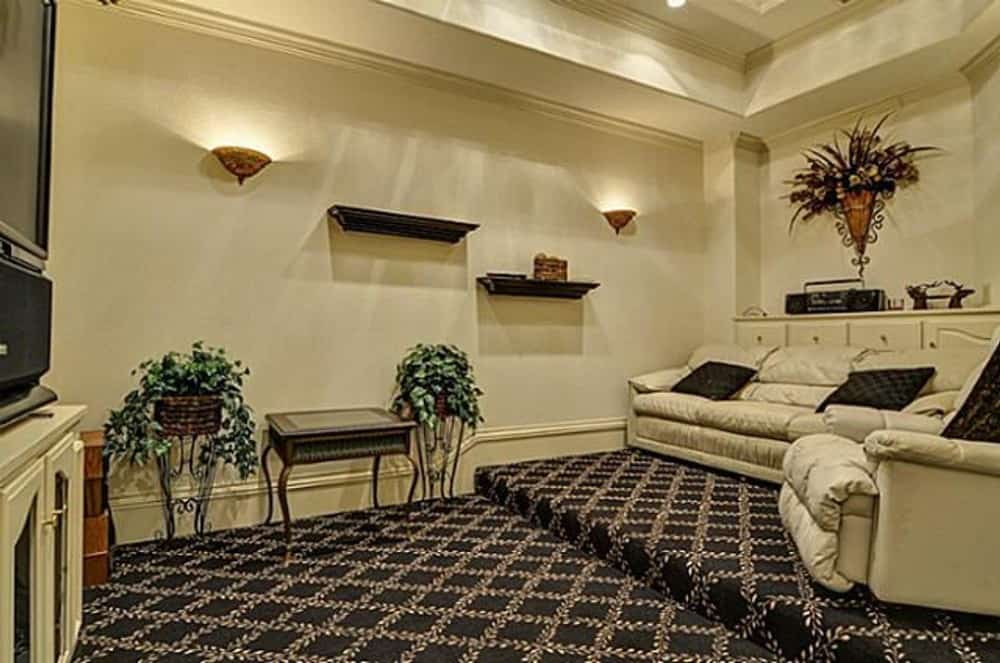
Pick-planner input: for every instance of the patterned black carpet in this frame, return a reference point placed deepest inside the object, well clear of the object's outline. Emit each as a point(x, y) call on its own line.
point(456, 580)
point(715, 543)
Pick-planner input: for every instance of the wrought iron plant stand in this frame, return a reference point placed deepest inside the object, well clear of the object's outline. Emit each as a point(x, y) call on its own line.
point(438, 447)
point(193, 422)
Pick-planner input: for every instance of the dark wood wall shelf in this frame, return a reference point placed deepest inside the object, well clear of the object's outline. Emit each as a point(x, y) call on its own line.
point(524, 287)
point(380, 222)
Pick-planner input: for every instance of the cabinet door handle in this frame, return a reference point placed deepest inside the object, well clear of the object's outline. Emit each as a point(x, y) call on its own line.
point(56, 516)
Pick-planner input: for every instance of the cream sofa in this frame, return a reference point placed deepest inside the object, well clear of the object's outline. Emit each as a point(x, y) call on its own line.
point(911, 515)
point(751, 433)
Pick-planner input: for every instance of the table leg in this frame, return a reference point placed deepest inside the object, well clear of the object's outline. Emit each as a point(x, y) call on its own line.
point(375, 466)
point(267, 478)
point(416, 476)
point(285, 513)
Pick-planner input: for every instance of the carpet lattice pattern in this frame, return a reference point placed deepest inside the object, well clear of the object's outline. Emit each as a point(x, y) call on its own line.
point(455, 580)
point(715, 543)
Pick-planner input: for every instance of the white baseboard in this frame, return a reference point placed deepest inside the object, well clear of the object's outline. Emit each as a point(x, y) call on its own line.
point(346, 485)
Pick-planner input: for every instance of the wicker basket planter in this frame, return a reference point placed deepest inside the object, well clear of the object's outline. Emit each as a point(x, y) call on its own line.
point(187, 416)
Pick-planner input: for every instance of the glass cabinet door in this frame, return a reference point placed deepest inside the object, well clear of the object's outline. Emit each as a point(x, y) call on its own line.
point(22, 579)
point(63, 528)
point(60, 538)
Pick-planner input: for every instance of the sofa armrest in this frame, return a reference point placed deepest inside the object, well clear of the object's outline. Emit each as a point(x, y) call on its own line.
point(662, 380)
point(934, 450)
point(857, 423)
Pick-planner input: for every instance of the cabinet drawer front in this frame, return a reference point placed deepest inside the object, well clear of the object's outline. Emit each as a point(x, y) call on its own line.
point(760, 334)
point(821, 333)
point(959, 333)
point(903, 335)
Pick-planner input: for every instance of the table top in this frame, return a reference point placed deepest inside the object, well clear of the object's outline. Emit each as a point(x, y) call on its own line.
point(332, 422)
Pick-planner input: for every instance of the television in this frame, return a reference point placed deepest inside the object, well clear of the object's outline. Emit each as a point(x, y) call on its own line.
point(27, 52)
point(27, 41)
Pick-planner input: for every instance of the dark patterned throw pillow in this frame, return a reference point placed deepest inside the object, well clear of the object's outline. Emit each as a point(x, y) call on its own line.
point(886, 389)
point(715, 380)
point(978, 417)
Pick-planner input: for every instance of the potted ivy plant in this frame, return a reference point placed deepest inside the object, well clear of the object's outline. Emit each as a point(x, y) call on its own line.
point(436, 387)
point(193, 401)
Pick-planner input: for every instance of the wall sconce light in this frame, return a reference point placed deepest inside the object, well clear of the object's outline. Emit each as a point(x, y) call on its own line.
point(619, 218)
point(241, 161)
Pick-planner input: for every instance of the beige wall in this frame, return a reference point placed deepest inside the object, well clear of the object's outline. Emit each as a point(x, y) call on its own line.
point(986, 108)
point(929, 232)
point(154, 246)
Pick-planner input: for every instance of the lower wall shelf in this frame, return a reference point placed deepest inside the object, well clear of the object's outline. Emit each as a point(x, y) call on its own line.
point(525, 287)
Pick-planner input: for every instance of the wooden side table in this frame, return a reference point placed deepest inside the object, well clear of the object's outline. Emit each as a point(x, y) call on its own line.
point(302, 438)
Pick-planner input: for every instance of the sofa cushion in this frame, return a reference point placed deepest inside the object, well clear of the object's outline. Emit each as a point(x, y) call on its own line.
point(857, 423)
point(933, 405)
point(743, 417)
point(885, 389)
point(824, 471)
point(729, 354)
point(715, 380)
point(659, 380)
point(806, 424)
point(952, 366)
point(755, 451)
point(803, 395)
point(815, 365)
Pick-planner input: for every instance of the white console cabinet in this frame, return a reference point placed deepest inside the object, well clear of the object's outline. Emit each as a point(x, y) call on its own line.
point(41, 537)
point(886, 330)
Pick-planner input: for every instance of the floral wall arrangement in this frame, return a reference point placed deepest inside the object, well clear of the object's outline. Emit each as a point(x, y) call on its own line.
point(851, 181)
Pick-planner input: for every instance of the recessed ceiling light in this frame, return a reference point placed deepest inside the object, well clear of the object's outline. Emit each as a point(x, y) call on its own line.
point(676, 4)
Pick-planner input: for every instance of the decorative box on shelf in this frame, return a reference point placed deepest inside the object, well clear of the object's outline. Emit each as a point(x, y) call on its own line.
point(550, 268)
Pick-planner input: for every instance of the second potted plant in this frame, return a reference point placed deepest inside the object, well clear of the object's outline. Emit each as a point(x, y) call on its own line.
point(437, 388)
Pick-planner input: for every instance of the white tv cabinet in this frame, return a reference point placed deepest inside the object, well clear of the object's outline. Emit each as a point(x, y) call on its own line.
point(41, 537)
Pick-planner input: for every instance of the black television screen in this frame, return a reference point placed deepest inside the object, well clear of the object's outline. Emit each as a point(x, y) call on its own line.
point(27, 39)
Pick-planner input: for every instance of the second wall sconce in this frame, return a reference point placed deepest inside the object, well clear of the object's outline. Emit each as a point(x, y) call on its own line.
point(242, 162)
point(619, 218)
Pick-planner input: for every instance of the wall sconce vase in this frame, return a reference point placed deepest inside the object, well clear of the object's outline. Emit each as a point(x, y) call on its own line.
point(242, 162)
point(619, 218)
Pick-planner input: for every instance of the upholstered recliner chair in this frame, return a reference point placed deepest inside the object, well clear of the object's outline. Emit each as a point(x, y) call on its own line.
point(913, 515)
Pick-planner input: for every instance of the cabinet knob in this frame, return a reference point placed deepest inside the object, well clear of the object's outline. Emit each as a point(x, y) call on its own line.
point(760, 339)
point(815, 339)
point(885, 339)
point(933, 344)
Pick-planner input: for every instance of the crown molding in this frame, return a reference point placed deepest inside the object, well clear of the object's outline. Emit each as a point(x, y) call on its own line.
point(884, 106)
point(760, 57)
point(981, 62)
point(648, 26)
point(205, 21)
